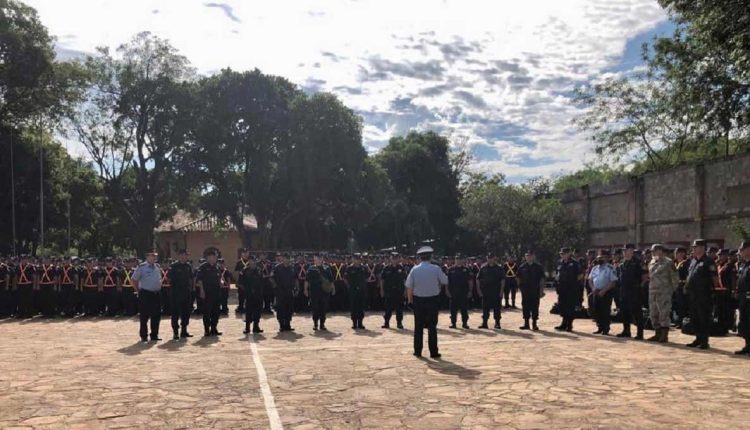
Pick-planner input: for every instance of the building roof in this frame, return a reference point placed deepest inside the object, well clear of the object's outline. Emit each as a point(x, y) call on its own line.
point(186, 221)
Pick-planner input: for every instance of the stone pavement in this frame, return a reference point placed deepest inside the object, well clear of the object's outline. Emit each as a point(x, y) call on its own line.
point(94, 374)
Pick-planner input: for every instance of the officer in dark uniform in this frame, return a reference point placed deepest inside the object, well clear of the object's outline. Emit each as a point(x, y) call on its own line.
point(129, 299)
point(569, 277)
point(630, 276)
point(460, 286)
point(724, 294)
point(48, 276)
point(319, 287)
point(356, 276)
point(239, 267)
point(24, 283)
point(491, 280)
point(702, 279)
point(112, 285)
point(209, 282)
point(251, 280)
point(284, 282)
point(181, 278)
point(743, 296)
point(681, 264)
point(511, 286)
point(531, 278)
point(5, 287)
point(226, 275)
point(392, 290)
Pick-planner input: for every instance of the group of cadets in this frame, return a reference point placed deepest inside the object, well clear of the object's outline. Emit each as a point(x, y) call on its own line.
point(699, 291)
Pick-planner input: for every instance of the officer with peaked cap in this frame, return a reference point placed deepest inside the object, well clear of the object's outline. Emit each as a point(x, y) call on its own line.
point(702, 278)
point(423, 286)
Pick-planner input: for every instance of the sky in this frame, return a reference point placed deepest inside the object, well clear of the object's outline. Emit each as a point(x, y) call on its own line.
point(496, 75)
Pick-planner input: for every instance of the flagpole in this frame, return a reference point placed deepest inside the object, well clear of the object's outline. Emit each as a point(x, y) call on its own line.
point(13, 191)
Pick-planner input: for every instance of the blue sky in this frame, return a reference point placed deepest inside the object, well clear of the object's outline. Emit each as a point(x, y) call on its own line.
point(495, 75)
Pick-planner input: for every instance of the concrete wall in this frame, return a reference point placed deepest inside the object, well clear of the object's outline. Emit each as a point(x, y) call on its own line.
point(672, 207)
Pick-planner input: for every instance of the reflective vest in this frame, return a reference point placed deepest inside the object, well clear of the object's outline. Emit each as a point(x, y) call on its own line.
point(23, 278)
point(371, 269)
point(165, 282)
point(45, 278)
point(302, 274)
point(109, 280)
point(88, 281)
point(127, 281)
point(510, 270)
point(66, 278)
point(721, 286)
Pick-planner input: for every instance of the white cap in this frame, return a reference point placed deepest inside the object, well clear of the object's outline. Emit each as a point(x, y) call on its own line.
point(425, 250)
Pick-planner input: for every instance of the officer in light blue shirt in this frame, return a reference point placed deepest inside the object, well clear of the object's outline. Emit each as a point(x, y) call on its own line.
point(602, 281)
point(147, 281)
point(423, 286)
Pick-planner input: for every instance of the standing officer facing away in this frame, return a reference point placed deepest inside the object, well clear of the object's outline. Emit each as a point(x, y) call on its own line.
point(569, 275)
point(663, 281)
point(531, 276)
point(491, 279)
point(423, 286)
point(147, 282)
point(702, 279)
point(602, 280)
point(209, 281)
point(181, 278)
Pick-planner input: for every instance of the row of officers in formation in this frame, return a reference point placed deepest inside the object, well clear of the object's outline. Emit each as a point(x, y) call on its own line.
point(700, 289)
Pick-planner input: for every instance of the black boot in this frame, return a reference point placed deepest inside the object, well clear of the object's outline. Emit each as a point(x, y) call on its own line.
point(315, 325)
point(453, 324)
point(256, 328)
point(525, 325)
point(497, 324)
point(386, 324)
point(399, 324)
point(484, 324)
point(465, 324)
point(176, 336)
point(323, 325)
point(361, 326)
point(185, 333)
point(534, 326)
point(355, 326)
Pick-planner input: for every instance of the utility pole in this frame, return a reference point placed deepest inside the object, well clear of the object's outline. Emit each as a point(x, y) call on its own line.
point(41, 187)
point(13, 191)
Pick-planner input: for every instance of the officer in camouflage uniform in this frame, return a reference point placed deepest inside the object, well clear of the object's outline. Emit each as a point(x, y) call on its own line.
point(663, 281)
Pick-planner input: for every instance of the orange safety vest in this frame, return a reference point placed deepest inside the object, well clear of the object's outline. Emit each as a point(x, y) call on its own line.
point(89, 280)
point(127, 282)
point(165, 282)
point(511, 270)
point(66, 280)
point(721, 286)
point(45, 278)
point(109, 281)
point(302, 274)
point(23, 279)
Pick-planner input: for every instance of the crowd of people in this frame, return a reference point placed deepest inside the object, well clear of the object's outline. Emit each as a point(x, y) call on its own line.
point(700, 290)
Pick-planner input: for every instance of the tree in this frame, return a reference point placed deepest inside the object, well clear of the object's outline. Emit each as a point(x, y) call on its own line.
point(423, 178)
point(513, 218)
point(134, 122)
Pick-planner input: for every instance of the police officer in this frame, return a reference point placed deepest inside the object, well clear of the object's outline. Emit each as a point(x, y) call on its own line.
point(48, 276)
point(251, 282)
point(531, 277)
point(702, 279)
point(5, 287)
point(568, 279)
point(129, 299)
point(319, 288)
point(24, 284)
point(284, 282)
point(682, 264)
point(112, 285)
point(147, 281)
point(209, 281)
point(662, 283)
point(460, 286)
point(630, 276)
point(392, 279)
point(356, 277)
point(423, 286)
point(181, 278)
point(239, 268)
point(491, 279)
point(511, 286)
point(743, 296)
point(602, 280)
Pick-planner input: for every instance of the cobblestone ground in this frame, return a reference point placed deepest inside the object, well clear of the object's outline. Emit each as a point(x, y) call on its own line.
point(94, 374)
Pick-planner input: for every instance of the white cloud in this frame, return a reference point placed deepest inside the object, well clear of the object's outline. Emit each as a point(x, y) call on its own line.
point(492, 72)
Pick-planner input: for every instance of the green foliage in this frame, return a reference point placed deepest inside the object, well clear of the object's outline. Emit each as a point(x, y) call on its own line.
point(591, 174)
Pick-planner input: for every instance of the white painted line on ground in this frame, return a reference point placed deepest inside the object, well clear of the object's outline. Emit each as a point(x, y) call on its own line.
point(273, 414)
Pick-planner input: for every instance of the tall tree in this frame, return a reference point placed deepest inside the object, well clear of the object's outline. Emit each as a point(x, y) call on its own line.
point(135, 121)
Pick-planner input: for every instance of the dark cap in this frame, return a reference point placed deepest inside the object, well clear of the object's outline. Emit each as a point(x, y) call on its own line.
point(528, 252)
point(459, 257)
point(628, 246)
point(357, 255)
point(491, 255)
point(680, 249)
point(182, 251)
point(744, 244)
point(395, 254)
point(617, 251)
point(211, 252)
point(152, 251)
point(108, 259)
point(657, 246)
point(244, 250)
point(604, 253)
point(565, 250)
point(699, 242)
point(713, 249)
point(724, 251)
point(591, 251)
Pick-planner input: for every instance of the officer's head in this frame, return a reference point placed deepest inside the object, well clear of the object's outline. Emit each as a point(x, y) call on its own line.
point(151, 256)
point(245, 253)
point(395, 258)
point(357, 258)
point(212, 257)
point(183, 255)
point(745, 250)
point(724, 255)
point(680, 252)
point(699, 247)
point(318, 259)
point(628, 250)
point(492, 258)
point(459, 260)
point(109, 261)
point(530, 256)
point(565, 253)
point(603, 256)
point(657, 250)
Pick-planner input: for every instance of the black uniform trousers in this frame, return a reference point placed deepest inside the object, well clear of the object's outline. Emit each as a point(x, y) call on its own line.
point(567, 300)
point(211, 307)
point(253, 304)
point(149, 306)
point(700, 314)
point(129, 301)
point(241, 299)
point(393, 301)
point(166, 292)
point(426, 317)
point(357, 304)
point(631, 310)
point(603, 310)
point(459, 302)
point(681, 303)
point(67, 299)
point(743, 327)
point(91, 301)
point(181, 304)
point(491, 301)
point(25, 296)
point(319, 301)
point(6, 302)
point(46, 302)
point(224, 308)
point(112, 300)
point(511, 286)
point(530, 302)
point(284, 305)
